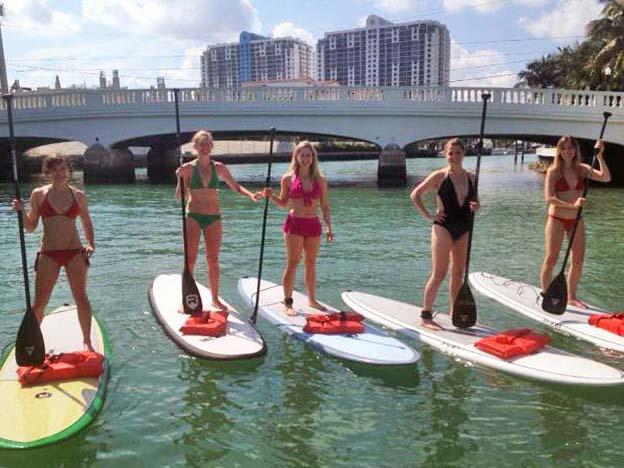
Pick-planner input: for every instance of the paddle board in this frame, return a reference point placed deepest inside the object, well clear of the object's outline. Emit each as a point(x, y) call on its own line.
point(241, 340)
point(548, 364)
point(371, 347)
point(526, 299)
point(47, 413)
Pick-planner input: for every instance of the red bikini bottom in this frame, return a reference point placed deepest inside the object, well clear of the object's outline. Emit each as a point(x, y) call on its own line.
point(61, 257)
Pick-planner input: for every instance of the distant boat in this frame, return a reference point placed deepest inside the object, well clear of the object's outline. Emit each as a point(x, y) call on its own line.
point(545, 152)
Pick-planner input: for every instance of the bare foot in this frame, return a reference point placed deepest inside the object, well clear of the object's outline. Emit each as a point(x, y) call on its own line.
point(577, 303)
point(290, 311)
point(431, 325)
point(218, 305)
point(318, 306)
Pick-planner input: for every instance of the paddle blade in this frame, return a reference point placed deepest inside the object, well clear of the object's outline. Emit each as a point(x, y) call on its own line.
point(29, 345)
point(555, 298)
point(464, 309)
point(191, 300)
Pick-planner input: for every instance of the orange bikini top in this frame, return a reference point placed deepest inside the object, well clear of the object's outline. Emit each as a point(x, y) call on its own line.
point(46, 210)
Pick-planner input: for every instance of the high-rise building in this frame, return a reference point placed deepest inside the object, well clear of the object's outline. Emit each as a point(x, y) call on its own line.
point(256, 58)
point(386, 54)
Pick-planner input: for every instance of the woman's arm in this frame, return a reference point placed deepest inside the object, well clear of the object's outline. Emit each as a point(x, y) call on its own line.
point(181, 174)
point(31, 218)
point(87, 224)
point(429, 184)
point(325, 209)
point(282, 200)
point(550, 196)
point(224, 174)
point(602, 174)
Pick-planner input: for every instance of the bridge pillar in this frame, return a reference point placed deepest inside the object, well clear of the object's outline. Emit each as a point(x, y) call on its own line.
point(102, 164)
point(391, 171)
point(161, 164)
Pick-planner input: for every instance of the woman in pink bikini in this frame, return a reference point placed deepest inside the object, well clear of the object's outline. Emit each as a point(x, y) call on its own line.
point(302, 189)
point(563, 190)
point(58, 205)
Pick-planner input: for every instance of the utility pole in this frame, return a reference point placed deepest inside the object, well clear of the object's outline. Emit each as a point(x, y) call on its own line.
point(4, 85)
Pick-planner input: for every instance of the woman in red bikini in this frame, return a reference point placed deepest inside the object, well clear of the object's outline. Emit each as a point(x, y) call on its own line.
point(302, 189)
point(201, 182)
point(563, 190)
point(58, 205)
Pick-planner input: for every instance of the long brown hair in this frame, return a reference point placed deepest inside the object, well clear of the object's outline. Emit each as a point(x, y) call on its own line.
point(557, 165)
point(315, 171)
point(54, 160)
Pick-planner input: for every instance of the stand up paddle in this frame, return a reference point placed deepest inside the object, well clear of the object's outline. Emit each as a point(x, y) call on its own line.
point(464, 309)
point(254, 314)
point(191, 299)
point(555, 298)
point(29, 345)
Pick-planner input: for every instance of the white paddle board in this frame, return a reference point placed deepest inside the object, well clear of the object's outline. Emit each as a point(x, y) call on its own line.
point(45, 413)
point(371, 347)
point(241, 340)
point(548, 364)
point(526, 299)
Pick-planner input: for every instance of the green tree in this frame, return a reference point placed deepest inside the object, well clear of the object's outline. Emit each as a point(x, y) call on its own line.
point(607, 32)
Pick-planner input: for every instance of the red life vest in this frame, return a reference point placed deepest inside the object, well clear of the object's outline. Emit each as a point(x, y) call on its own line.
point(334, 324)
point(610, 322)
point(511, 343)
point(206, 324)
point(63, 366)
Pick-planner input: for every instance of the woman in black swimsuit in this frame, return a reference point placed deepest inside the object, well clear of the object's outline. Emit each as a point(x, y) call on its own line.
point(456, 204)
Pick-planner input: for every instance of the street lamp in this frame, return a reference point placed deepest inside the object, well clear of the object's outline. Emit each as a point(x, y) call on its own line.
point(607, 72)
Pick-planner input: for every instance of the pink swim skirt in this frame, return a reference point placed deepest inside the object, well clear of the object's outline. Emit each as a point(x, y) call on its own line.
point(306, 227)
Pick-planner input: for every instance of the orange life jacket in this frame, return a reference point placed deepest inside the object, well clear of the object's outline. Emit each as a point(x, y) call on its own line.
point(334, 324)
point(511, 343)
point(610, 322)
point(206, 324)
point(63, 366)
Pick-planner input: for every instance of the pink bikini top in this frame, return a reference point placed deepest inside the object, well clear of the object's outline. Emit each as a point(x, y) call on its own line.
point(297, 190)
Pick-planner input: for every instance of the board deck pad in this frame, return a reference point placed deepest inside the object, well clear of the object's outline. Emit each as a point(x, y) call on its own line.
point(241, 341)
point(526, 299)
point(46, 413)
point(371, 347)
point(549, 364)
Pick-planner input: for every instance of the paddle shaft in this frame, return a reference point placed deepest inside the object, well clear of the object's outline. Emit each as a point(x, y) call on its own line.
point(485, 97)
point(605, 117)
point(181, 162)
point(254, 314)
point(8, 98)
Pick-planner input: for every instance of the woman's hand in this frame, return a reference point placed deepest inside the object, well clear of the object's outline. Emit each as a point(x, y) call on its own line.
point(88, 251)
point(267, 192)
point(17, 204)
point(580, 202)
point(474, 206)
point(599, 146)
point(329, 235)
point(439, 216)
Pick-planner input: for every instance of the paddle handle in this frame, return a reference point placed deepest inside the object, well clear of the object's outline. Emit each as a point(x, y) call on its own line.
point(8, 98)
point(176, 92)
point(254, 314)
point(605, 118)
point(485, 97)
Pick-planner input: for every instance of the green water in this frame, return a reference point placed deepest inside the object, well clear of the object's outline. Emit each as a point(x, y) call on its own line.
point(297, 407)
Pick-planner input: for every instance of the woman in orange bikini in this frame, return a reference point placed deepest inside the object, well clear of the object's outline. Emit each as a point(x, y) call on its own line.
point(302, 190)
point(201, 181)
point(563, 190)
point(58, 205)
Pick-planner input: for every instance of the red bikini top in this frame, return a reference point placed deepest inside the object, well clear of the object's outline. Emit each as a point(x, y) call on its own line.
point(46, 210)
point(562, 184)
point(297, 190)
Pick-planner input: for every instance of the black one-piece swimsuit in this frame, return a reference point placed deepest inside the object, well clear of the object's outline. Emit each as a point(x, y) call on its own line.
point(458, 217)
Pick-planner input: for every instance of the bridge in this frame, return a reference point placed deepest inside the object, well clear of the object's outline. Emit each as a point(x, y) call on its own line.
point(111, 121)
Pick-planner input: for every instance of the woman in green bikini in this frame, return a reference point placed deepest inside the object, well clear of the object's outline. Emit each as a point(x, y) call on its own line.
point(201, 180)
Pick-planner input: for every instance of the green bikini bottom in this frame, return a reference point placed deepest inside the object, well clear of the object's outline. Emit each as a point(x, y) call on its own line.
point(204, 220)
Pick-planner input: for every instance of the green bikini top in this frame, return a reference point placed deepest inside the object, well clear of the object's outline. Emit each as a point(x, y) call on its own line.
point(196, 180)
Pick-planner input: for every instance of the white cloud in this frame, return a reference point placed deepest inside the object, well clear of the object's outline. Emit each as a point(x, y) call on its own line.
point(400, 6)
point(567, 18)
point(479, 68)
point(37, 17)
point(205, 20)
point(488, 6)
point(290, 29)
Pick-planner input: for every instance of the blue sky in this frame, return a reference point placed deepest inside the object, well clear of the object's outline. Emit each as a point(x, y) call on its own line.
point(143, 39)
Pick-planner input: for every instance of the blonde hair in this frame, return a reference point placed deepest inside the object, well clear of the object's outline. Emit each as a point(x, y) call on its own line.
point(53, 161)
point(315, 171)
point(201, 135)
point(576, 162)
point(454, 142)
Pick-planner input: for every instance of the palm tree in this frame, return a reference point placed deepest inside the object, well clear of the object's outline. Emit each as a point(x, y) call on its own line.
point(541, 73)
point(607, 33)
